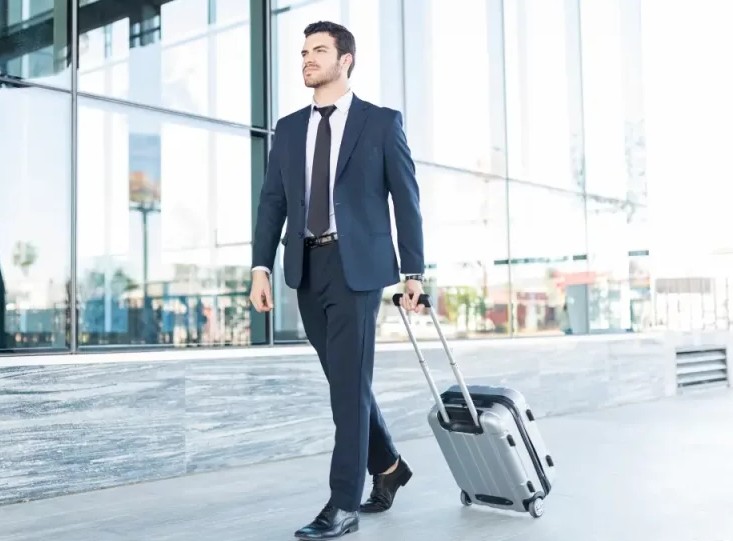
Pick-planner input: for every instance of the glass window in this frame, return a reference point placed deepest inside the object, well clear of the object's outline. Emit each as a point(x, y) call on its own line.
point(688, 126)
point(187, 55)
point(287, 324)
point(377, 75)
point(549, 273)
point(34, 41)
point(640, 270)
point(164, 243)
point(610, 246)
point(464, 224)
point(612, 96)
point(454, 60)
point(35, 247)
point(544, 125)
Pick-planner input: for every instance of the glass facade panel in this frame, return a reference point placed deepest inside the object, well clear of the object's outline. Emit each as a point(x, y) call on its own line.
point(612, 98)
point(186, 55)
point(164, 229)
point(687, 123)
point(35, 237)
point(571, 179)
point(549, 270)
point(609, 263)
point(34, 41)
point(619, 268)
point(543, 90)
point(446, 47)
point(688, 129)
point(465, 229)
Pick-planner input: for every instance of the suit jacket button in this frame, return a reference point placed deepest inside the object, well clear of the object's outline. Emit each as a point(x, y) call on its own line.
point(302, 202)
point(301, 235)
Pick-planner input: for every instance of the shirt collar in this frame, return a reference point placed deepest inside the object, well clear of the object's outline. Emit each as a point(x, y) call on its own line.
point(342, 104)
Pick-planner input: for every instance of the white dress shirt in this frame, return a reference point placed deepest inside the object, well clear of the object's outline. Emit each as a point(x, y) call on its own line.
point(337, 120)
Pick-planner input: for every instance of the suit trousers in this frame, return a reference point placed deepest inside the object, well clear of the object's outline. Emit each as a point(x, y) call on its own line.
point(341, 325)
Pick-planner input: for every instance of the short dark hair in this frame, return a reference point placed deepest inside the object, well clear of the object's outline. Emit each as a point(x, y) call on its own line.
point(345, 42)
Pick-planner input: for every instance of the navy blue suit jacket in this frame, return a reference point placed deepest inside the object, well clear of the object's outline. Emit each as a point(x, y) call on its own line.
point(374, 161)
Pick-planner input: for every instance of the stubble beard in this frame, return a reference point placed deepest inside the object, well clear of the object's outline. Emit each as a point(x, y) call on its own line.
point(331, 75)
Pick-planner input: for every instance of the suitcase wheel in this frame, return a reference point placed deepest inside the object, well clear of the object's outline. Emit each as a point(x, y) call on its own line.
point(537, 507)
point(465, 498)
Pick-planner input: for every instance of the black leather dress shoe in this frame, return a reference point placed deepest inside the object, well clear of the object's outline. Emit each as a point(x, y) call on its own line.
point(385, 488)
point(330, 523)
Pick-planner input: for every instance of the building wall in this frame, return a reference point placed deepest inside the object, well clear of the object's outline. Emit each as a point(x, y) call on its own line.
point(133, 167)
point(539, 129)
point(89, 423)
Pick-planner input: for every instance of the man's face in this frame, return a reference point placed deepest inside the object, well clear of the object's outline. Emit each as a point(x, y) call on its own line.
point(321, 64)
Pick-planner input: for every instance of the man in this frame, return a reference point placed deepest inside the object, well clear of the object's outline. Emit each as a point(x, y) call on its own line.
point(331, 169)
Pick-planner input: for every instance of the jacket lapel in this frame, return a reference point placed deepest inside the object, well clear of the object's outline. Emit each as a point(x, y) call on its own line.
point(354, 126)
point(297, 148)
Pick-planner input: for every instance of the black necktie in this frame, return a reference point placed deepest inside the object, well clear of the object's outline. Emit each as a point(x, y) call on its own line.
point(318, 206)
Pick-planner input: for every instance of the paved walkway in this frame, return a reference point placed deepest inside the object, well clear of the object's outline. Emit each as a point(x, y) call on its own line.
point(658, 471)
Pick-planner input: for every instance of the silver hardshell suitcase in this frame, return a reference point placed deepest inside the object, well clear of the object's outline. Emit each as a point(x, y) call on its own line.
point(489, 438)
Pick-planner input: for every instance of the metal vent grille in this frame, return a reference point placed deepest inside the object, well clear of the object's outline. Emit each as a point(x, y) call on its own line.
point(701, 367)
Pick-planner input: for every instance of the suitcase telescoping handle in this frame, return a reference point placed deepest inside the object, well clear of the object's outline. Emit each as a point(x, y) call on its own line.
point(424, 299)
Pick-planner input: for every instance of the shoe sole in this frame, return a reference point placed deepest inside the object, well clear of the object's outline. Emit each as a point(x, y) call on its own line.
point(350, 529)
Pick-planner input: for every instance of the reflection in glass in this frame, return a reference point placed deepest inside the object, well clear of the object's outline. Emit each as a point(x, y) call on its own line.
point(465, 236)
point(187, 55)
point(696, 298)
point(441, 128)
point(164, 229)
point(3, 339)
point(543, 91)
point(549, 273)
point(620, 295)
point(34, 41)
point(35, 208)
point(615, 142)
point(287, 325)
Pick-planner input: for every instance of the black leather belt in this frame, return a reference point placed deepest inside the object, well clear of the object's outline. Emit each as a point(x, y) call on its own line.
point(311, 242)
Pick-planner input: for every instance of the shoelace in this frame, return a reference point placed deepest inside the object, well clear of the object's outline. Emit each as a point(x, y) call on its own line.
point(323, 515)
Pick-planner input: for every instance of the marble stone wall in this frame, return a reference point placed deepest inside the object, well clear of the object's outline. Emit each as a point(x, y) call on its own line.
point(80, 426)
